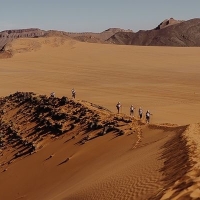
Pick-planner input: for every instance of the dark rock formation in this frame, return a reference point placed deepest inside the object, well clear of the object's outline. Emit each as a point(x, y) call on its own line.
point(8, 35)
point(168, 22)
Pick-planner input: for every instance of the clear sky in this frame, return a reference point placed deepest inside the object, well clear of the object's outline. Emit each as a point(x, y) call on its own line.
point(93, 15)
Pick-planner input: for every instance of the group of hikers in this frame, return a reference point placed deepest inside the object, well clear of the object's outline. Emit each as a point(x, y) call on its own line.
point(140, 112)
point(118, 106)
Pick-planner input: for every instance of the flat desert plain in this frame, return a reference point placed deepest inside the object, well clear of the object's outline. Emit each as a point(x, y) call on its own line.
point(156, 161)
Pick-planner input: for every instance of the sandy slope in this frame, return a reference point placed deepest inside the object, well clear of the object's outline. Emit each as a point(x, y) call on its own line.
point(187, 187)
point(105, 168)
point(144, 164)
point(112, 166)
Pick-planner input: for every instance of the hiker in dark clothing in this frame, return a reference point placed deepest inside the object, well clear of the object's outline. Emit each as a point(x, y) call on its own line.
point(148, 116)
point(118, 106)
point(132, 110)
point(140, 112)
point(73, 93)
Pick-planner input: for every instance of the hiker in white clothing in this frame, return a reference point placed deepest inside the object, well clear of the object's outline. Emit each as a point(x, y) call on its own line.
point(52, 94)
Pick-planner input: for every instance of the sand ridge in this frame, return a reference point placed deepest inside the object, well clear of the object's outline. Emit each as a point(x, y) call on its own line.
point(187, 186)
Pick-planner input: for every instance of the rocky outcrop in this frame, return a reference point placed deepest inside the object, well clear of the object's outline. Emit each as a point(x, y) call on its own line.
point(28, 121)
point(168, 22)
point(8, 35)
point(88, 36)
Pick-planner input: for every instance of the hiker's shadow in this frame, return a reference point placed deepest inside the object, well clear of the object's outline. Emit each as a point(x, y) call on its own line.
point(63, 162)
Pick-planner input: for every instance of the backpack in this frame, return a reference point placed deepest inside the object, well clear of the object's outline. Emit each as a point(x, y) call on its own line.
point(118, 105)
point(132, 108)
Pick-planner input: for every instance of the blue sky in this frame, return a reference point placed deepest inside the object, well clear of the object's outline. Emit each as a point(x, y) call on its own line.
point(93, 15)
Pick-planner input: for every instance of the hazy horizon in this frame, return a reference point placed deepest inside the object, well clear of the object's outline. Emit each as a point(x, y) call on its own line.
point(90, 16)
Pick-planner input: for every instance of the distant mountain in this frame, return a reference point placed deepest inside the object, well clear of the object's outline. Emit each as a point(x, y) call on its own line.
point(89, 36)
point(9, 35)
point(168, 33)
point(168, 22)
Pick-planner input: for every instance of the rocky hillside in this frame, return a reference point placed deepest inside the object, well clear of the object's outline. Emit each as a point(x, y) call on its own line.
point(168, 22)
point(29, 122)
point(169, 33)
point(89, 36)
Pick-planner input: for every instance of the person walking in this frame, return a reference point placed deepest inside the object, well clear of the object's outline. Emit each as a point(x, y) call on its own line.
point(148, 116)
point(132, 111)
point(52, 94)
point(73, 93)
point(140, 111)
point(118, 106)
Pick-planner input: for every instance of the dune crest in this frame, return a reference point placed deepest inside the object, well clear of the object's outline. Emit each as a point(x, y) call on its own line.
point(187, 185)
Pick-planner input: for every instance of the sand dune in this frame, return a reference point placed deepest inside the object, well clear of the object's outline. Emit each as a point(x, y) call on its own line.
point(83, 161)
point(74, 159)
point(187, 186)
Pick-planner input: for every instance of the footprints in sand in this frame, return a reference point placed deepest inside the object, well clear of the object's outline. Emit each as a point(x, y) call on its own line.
point(5, 170)
point(62, 162)
point(51, 156)
point(139, 137)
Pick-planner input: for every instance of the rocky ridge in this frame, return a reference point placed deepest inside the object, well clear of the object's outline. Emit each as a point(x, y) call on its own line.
point(29, 122)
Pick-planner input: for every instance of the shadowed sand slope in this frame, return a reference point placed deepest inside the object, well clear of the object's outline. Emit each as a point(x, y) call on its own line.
point(187, 185)
point(58, 148)
point(163, 80)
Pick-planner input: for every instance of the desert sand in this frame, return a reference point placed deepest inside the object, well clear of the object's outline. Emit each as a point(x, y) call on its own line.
point(162, 79)
point(156, 161)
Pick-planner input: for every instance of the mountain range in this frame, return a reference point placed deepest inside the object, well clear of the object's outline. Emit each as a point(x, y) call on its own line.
point(170, 32)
